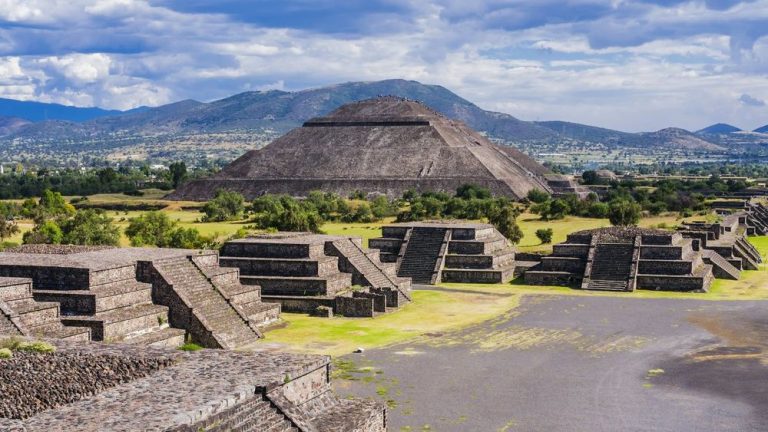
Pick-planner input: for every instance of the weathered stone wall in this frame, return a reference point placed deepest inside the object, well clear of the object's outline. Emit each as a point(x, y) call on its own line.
point(354, 307)
point(541, 278)
point(661, 252)
point(672, 283)
point(666, 267)
point(271, 250)
point(300, 304)
point(50, 277)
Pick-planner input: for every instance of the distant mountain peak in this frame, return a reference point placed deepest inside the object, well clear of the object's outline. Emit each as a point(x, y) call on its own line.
point(718, 129)
point(763, 129)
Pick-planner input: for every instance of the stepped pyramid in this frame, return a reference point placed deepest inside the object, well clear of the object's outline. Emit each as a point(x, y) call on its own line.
point(625, 259)
point(144, 296)
point(385, 145)
point(303, 271)
point(447, 251)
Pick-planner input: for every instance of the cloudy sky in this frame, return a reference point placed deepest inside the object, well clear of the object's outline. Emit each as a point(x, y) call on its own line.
point(627, 64)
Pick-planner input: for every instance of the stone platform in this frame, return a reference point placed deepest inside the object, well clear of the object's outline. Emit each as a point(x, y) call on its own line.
point(724, 245)
point(155, 389)
point(447, 251)
point(147, 296)
point(304, 271)
point(624, 259)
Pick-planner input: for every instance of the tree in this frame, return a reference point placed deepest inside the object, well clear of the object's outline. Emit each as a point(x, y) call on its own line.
point(537, 196)
point(52, 204)
point(624, 212)
point(469, 191)
point(8, 228)
point(224, 207)
point(590, 177)
point(178, 172)
point(156, 229)
point(544, 235)
point(150, 229)
point(90, 227)
point(505, 220)
point(47, 232)
point(558, 209)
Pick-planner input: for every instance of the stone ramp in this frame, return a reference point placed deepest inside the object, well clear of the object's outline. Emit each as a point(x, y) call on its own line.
point(721, 268)
point(225, 326)
point(611, 267)
point(373, 272)
point(749, 255)
point(422, 257)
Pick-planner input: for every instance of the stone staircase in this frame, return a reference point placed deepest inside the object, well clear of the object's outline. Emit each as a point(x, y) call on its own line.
point(369, 271)
point(721, 268)
point(422, 255)
point(226, 325)
point(20, 314)
point(611, 267)
point(258, 415)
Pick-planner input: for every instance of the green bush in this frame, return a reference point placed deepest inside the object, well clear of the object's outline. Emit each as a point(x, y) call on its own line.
point(189, 346)
point(544, 235)
point(226, 206)
point(5, 353)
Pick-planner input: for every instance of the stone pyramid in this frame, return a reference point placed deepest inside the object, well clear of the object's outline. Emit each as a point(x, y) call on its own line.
point(384, 145)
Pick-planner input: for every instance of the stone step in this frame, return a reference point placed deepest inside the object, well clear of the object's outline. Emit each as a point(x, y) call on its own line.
point(118, 323)
point(275, 285)
point(261, 313)
point(56, 330)
point(167, 337)
point(251, 266)
point(15, 288)
point(33, 313)
point(85, 302)
point(607, 285)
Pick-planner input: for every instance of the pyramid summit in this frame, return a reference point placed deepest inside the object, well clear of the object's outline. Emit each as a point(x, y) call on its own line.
point(383, 145)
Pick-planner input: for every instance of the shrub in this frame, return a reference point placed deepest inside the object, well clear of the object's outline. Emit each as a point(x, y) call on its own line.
point(5, 353)
point(90, 227)
point(225, 206)
point(505, 220)
point(537, 196)
point(544, 235)
point(47, 232)
point(624, 212)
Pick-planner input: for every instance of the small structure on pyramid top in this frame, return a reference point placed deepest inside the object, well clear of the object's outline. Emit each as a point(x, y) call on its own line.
point(385, 145)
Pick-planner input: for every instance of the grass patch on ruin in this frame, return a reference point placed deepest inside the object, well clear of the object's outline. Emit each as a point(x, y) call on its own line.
point(529, 223)
point(430, 312)
point(365, 231)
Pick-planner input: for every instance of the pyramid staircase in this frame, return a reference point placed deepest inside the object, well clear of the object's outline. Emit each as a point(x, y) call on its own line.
point(368, 270)
point(611, 267)
point(423, 255)
point(720, 266)
point(209, 316)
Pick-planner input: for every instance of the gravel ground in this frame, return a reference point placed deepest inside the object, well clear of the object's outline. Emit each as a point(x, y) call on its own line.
point(567, 363)
point(34, 382)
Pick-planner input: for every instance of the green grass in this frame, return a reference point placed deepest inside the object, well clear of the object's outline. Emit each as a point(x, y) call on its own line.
point(430, 312)
point(189, 346)
point(529, 223)
point(364, 230)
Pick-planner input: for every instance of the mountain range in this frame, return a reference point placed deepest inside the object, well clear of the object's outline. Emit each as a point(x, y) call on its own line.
point(199, 129)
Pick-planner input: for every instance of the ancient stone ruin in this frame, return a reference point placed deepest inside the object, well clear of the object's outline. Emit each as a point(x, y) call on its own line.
point(752, 215)
point(312, 272)
point(624, 259)
point(386, 145)
point(153, 297)
point(97, 387)
point(447, 251)
point(724, 245)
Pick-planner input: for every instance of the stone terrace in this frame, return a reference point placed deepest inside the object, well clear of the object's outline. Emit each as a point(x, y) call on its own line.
point(447, 251)
point(724, 245)
point(146, 296)
point(624, 259)
point(304, 271)
point(205, 390)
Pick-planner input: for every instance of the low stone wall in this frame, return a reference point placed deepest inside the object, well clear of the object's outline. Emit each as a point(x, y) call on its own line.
point(546, 278)
point(476, 276)
point(379, 300)
point(661, 252)
point(299, 304)
point(354, 307)
point(271, 250)
point(53, 278)
point(571, 250)
point(469, 261)
point(563, 264)
point(671, 283)
point(666, 267)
